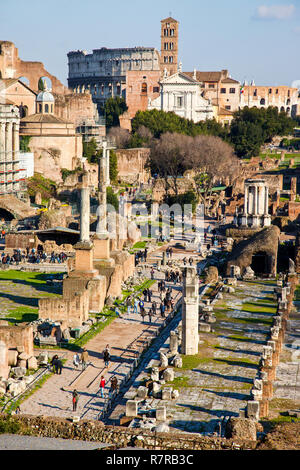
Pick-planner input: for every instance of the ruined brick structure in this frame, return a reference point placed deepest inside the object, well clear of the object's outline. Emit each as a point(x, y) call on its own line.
point(132, 165)
point(75, 107)
point(282, 97)
point(18, 337)
point(103, 72)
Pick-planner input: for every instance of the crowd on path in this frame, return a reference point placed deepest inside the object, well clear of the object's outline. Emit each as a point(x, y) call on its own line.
point(32, 256)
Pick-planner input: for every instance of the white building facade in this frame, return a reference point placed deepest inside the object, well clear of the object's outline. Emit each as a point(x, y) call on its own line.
point(9, 147)
point(182, 95)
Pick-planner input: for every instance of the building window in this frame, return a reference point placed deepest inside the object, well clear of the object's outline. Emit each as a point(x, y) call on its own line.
point(168, 25)
point(289, 93)
point(40, 108)
point(165, 32)
point(166, 46)
point(262, 101)
point(171, 46)
point(100, 63)
point(144, 88)
point(46, 108)
point(172, 32)
point(255, 92)
point(211, 85)
point(165, 59)
point(223, 90)
point(276, 91)
point(228, 107)
point(270, 91)
point(118, 89)
point(179, 101)
point(171, 59)
point(156, 89)
point(232, 90)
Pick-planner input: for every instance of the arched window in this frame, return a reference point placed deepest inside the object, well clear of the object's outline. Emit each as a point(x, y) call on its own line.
point(262, 101)
point(144, 87)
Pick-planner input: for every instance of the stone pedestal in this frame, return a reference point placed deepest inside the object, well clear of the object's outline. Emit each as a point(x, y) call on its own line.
point(131, 408)
point(84, 260)
point(101, 246)
point(161, 413)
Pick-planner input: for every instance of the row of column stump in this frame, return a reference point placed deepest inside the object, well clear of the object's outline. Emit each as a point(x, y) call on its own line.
point(262, 391)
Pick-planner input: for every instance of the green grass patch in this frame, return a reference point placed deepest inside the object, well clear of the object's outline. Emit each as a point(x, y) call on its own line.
point(22, 314)
point(252, 307)
point(180, 382)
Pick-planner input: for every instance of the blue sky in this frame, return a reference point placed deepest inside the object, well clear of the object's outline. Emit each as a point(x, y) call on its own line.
point(253, 39)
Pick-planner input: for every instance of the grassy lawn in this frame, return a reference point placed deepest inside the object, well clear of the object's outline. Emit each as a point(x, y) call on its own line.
point(22, 314)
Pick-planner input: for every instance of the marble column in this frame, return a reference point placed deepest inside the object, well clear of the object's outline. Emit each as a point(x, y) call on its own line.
point(2, 141)
point(255, 200)
point(85, 214)
point(246, 201)
point(16, 145)
point(266, 200)
point(190, 312)
point(8, 141)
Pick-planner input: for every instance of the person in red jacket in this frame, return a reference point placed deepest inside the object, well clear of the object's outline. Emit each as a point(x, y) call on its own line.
point(102, 385)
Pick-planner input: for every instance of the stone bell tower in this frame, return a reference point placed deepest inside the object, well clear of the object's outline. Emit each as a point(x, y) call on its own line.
point(169, 45)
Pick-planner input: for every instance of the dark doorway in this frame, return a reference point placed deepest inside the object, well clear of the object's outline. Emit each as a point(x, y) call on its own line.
point(6, 215)
point(260, 263)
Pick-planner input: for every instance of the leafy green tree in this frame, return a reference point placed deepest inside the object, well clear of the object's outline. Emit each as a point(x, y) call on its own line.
point(90, 150)
point(112, 198)
point(113, 108)
point(24, 143)
point(41, 85)
point(247, 138)
point(252, 127)
point(159, 122)
point(113, 166)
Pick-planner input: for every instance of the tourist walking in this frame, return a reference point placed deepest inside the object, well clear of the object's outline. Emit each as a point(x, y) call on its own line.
point(149, 293)
point(58, 366)
point(102, 385)
point(54, 363)
point(129, 304)
point(75, 399)
point(76, 360)
point(113, 386)
point(135, 306)
point(143, 313)
point(162, 310)
point(152, 273)
point(106, 356)
point(84, 358)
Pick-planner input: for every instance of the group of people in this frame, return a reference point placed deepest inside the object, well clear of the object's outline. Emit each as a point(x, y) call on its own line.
point(32, 256)
point(141, 256)
point(173, 276)
point(56, 364)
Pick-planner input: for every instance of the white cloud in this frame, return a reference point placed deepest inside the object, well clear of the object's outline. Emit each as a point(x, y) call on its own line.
point(275, 12)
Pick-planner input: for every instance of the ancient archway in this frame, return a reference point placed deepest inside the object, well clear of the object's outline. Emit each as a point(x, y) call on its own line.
point(260, 263)
point(6, 215)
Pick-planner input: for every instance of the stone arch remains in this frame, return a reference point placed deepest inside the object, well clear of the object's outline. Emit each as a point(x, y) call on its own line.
point(24, 80)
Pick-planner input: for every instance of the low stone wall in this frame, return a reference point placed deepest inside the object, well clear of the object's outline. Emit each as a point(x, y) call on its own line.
point(120, 437)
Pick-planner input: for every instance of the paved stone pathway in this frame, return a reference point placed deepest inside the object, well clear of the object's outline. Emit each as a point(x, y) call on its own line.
point(218, 385)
